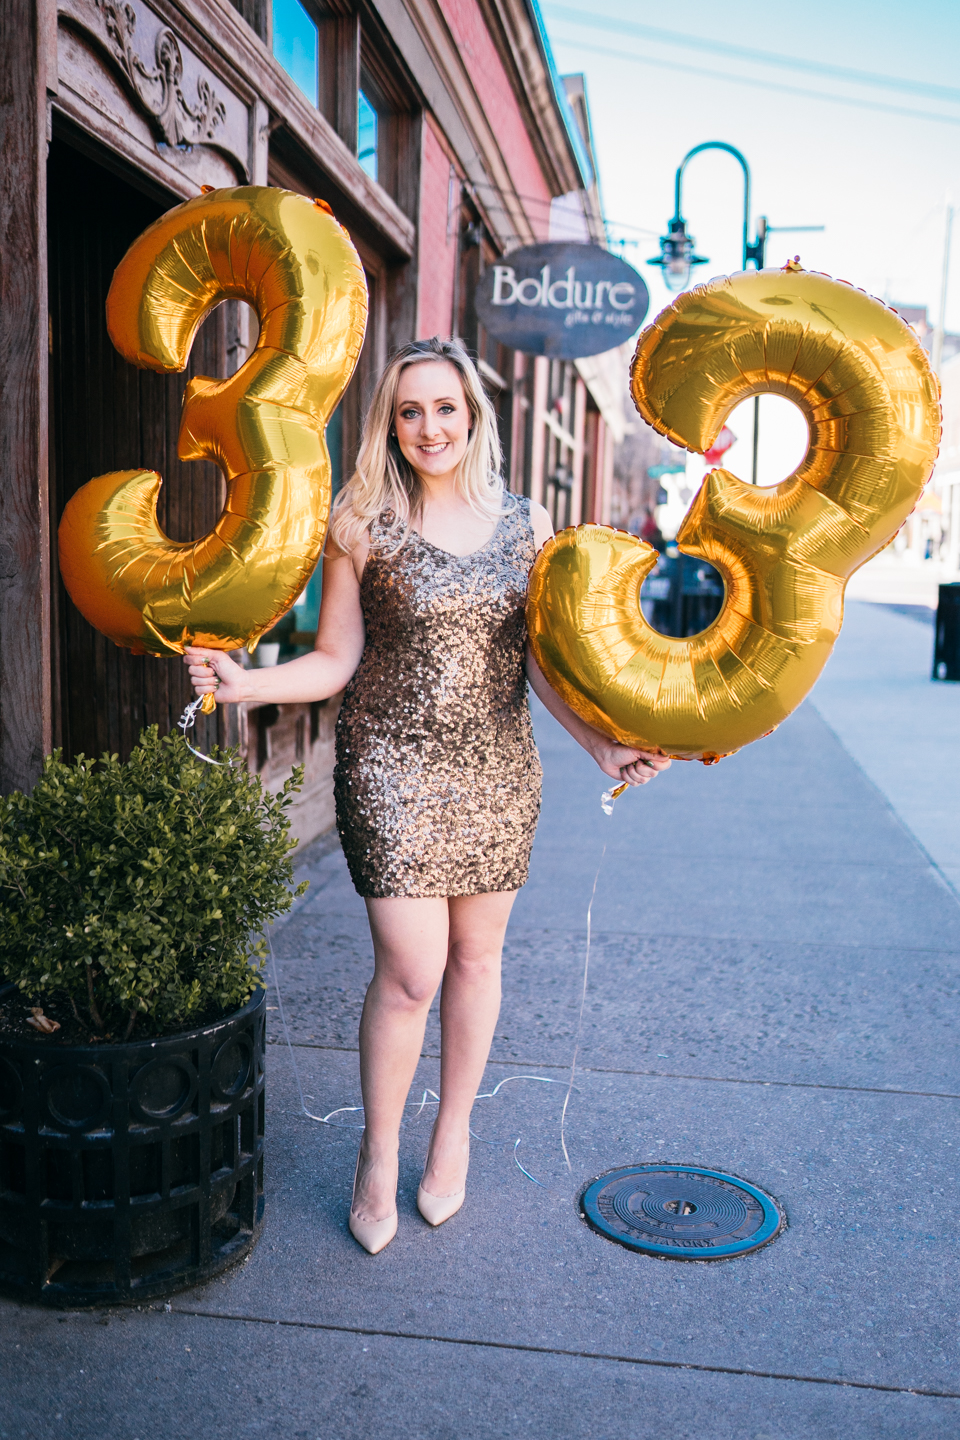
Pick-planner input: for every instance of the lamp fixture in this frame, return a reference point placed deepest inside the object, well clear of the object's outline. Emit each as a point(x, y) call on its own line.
point(677, 257)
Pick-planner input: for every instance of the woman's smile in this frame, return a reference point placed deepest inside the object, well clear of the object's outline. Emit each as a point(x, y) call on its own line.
point(432, 419)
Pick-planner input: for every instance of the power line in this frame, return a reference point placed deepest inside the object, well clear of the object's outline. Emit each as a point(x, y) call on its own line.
point(541, 200)
point(743, 52)
point(759, 84)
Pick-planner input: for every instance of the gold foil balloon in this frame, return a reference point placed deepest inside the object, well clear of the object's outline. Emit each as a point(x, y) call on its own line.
point(861, 379)
point(264, 427)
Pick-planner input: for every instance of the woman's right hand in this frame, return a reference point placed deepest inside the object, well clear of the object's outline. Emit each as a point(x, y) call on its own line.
point(212, 672)
point(317, 676)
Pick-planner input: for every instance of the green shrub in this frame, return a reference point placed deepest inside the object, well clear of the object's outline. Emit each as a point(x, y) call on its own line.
point(139, 890)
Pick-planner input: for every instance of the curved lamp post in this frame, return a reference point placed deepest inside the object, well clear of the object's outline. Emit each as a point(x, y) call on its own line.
point(677, 257)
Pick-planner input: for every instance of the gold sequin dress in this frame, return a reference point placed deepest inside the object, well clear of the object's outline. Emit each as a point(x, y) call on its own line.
point(437, 781)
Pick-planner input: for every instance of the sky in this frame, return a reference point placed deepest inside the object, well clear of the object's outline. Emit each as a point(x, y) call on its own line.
point(878, 181)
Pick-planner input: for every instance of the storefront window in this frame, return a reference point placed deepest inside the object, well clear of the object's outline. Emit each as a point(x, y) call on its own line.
point(366, 135)
point(306, 612)
point(295, 45)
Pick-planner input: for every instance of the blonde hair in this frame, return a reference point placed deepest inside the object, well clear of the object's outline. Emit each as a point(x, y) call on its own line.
point(385, 481)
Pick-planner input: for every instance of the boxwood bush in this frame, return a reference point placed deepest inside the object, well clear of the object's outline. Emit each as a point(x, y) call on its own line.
point(138, 890)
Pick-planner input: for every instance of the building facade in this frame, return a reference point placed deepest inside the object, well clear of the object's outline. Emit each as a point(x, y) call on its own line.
point(441, 136)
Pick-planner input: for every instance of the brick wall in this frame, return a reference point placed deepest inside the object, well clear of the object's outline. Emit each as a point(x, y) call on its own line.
point(438, 250)
point(500, 105)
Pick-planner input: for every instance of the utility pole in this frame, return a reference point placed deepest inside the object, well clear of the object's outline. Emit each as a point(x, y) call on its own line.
point(936, 360)
point(759, 249)
point(936, 349)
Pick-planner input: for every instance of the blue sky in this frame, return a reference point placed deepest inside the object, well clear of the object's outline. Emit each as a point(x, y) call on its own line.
point(878, 180)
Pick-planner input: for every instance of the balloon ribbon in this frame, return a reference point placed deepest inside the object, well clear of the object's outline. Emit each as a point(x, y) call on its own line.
point(608, 797)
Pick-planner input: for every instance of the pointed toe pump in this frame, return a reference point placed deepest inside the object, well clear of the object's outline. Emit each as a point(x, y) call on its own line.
point(373, 1235)
point(435, 1209)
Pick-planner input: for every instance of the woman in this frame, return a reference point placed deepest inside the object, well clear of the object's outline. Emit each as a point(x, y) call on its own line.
point(437, 779)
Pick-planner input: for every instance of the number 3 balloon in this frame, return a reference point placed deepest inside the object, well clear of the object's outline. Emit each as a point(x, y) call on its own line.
point(862, 380)
point(264, 427)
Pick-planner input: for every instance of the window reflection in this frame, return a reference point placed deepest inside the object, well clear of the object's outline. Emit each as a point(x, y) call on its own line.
point(366, 135)
point(295, 45)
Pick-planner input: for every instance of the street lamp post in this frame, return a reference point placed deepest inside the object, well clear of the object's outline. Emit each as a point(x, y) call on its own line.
point(677, 258)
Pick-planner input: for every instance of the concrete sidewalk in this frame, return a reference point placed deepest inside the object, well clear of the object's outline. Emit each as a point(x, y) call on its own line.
point(901, 727)
point(773, 992)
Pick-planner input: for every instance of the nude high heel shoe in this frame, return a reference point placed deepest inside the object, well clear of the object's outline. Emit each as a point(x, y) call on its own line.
point(435, 1209)
point(373, 1235)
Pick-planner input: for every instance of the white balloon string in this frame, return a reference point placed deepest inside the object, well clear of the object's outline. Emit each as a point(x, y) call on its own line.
point(583, 1001)
point(321, 1119)
point(186, 722)
point(419, 1105)
point(523, 1167)
point(430, 1097)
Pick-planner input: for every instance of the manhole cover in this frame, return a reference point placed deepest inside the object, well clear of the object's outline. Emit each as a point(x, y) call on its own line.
point(680, 1212)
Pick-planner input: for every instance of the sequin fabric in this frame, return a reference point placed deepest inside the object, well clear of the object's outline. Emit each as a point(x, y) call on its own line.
point(437, 781)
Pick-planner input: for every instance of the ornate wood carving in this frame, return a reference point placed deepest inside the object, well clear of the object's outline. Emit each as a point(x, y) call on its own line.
point(158, 90)
point(130, 74)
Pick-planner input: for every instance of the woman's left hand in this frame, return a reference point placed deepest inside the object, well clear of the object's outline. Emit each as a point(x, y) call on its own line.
point(621, 762)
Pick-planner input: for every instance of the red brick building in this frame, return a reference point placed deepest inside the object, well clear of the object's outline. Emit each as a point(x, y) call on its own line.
point(442, 137)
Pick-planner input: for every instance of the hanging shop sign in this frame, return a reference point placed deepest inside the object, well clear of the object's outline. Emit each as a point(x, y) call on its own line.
point(562, 300)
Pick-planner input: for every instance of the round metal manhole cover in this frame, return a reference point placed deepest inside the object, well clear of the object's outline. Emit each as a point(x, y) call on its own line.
point(680, 1212)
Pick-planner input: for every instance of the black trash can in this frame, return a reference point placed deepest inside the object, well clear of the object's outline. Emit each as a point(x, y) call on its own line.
point(946, 648)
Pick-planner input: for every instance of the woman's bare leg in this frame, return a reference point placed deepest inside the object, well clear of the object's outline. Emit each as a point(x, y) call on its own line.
point(410, 943)
point(469, 1006)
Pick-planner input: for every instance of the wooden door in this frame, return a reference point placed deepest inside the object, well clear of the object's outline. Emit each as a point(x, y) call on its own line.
point(107, 415)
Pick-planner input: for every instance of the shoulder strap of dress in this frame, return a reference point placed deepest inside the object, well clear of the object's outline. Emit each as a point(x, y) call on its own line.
point(379, 528)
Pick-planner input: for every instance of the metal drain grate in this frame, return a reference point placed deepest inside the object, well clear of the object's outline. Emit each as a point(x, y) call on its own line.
point(680, 1212)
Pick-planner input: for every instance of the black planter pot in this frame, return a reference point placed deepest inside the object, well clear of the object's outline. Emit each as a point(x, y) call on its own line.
point(130, 1171)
